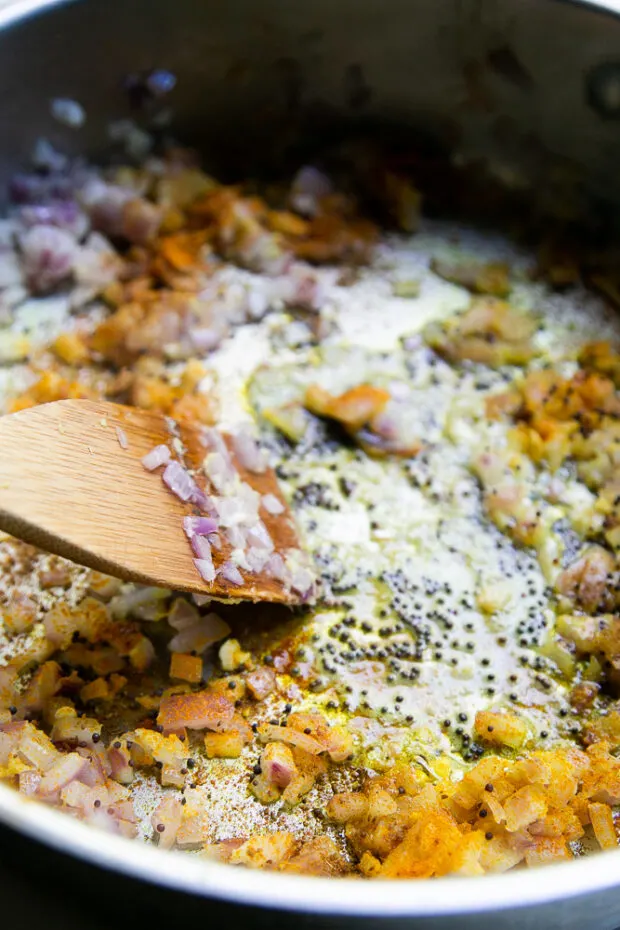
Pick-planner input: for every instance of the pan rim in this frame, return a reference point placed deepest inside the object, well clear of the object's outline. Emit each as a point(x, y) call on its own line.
point(206, 878)
point(438, 897)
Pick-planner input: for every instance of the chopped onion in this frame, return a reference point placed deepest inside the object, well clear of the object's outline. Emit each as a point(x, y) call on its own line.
point(249, 452)
point(121, 435)
point(238, 558)
point(203, 502)
point(198, 636)
point(215, 540)
point(201, 548)
point(272, 504)
point(65, 214)
point(258, 536)
point(205, 569)
point(37, 748)
point(199, 526)
point(105, 204)
point(231, 573)
point(278, 765)
point(179, 480)
point(214, 441)
point(257, 558)
point(83, 798)
point(199, 710)
point(48, 256)
point(182, 614)
point(160, 455)
point(261, 682)
point(96, 264)
point(193, 833)
point(205, 340)
point(276, 568)
point(143, 602)
point(272, 733)
point(219, 470)
point(166, 820)
point(65, 770)
point(236, 537)
point(29, 782)
point(240, 509)
point(308, 187)
point(120, 766)
point(302, 580)
point(68, 112)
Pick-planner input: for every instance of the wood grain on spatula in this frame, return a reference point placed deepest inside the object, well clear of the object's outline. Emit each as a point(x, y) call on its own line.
point(67, 486)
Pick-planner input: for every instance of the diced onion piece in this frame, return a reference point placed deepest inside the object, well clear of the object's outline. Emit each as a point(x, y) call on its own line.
point(48, 254)
point(179, 480)
point(37, 748)
point(206, 569)
point(302, 580)
point(214, 441)
point(224, 745)
point(202, 501)
point(121, 435)
point(201, 548)
point(202, 710)
point(231, 573)
point(160, 455)
point(232, 656)
point(199, 526)
point(219, 470)
point(119, 759)
point(258, 536)
point(236, 537)
point(261, 682)
point(29, 782)
point(65, 770)
point(278, 765)
point(276, 568)
point(166, 821)
point(249, 452)
point(257, 558)
point(197, 636)
point(204, 339)
point(602, 821)
point(272, 504)
point(69, 112)
point(183, 614)
point(271, 732)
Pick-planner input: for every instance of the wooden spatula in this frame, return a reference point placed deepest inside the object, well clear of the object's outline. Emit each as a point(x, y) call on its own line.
point(72, 482)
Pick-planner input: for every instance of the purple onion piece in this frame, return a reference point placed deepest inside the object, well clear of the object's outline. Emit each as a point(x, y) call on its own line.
point(272, 504)
point(249, 452)
point(257, 558)
point(179, 481)
point(205, 569)
point(276, 568)
point(160, 455)
point(203, 501)
point(201, 547)
point(231, 573)
point(199, 526)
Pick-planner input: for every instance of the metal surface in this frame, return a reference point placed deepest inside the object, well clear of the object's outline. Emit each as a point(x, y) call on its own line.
point(519, 85)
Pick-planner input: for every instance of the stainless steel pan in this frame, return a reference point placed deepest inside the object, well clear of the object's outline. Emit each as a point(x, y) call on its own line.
point(529, 89)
